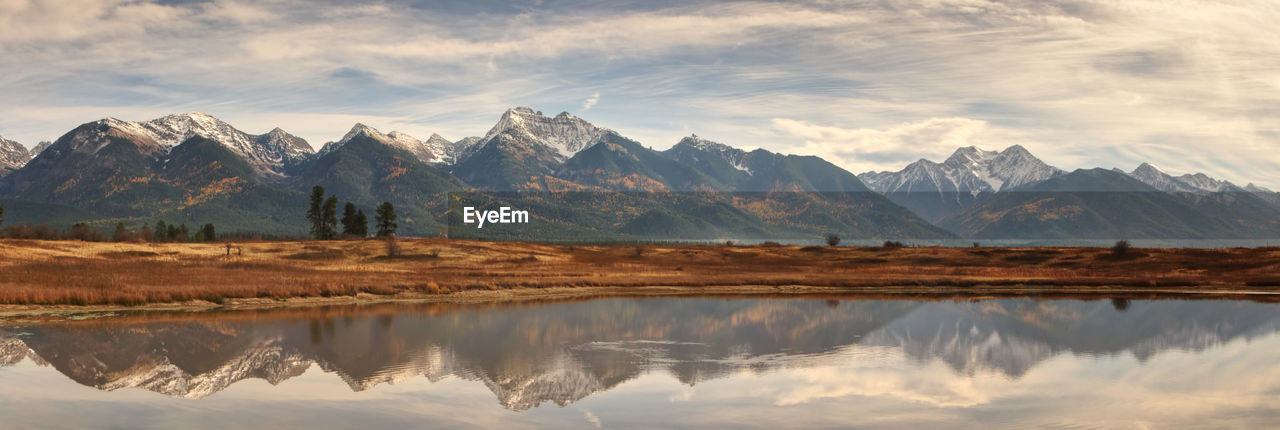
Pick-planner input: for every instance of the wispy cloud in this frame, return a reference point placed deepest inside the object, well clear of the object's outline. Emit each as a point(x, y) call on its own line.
point(591, 418)
point(1081, 82)
point(871, 149)
point(591, 101)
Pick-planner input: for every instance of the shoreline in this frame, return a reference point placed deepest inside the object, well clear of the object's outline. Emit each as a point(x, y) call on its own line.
point(20, 314)
point(79, 278)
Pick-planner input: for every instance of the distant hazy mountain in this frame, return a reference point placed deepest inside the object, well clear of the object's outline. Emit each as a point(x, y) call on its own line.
point(1198, 182)
point(12, 156)
point(1251, 213)
point(761, 170)
point(802, 193)
point(1158, 179)
point(938, 190)
point(40, 147)
point(1264, 194)
point(1096, 203)
point(1203, 182)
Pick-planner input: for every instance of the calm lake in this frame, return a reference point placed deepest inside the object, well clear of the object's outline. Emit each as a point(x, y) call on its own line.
point(657, 363)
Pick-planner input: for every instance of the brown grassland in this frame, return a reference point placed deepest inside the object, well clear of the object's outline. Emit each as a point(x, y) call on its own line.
point(36, 274)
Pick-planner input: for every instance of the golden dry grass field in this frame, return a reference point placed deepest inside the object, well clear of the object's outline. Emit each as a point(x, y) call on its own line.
point(82, 273)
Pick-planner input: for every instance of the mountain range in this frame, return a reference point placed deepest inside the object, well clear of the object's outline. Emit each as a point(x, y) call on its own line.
point(581, 181)
point(1011, 194)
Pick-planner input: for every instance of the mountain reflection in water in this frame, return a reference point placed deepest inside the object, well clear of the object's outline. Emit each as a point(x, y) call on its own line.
point(530, 354)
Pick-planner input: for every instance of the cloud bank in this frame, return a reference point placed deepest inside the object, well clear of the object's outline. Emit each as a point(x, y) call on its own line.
point(1189, 85)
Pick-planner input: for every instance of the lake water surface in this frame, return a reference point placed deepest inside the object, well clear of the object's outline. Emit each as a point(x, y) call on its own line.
point(646, 363)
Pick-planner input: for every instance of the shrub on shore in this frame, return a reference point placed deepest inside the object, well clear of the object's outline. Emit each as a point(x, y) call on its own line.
point(1121, 248)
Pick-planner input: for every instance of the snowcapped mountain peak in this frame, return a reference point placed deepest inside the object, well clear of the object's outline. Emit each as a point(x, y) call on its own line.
point(937, 190)
point(171, 130)
point(969, 170)
point(420, 149)
point(12, 156)
point(464, 147)
point(427, 152)
point(40, 147)
point(278, 136)
point(114, 122)
point(402, 138)
point(279, 144)
point(357, 130)
point(1149, 174)
point(89, 138)
point(444, 151)
point(1015, 166)
point(736, 157)
point(1256, 189)
point(1203, 182)
point(4, 141)
point(921, 164)
point(1148, 168)
point(362, 130)
point(1017, 150)
point(703, 144)
point(514, 117)
point(134, 129)
point(565, 133)
point(969, 156)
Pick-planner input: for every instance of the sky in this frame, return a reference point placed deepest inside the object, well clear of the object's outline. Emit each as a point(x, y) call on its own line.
point(1190, 86)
